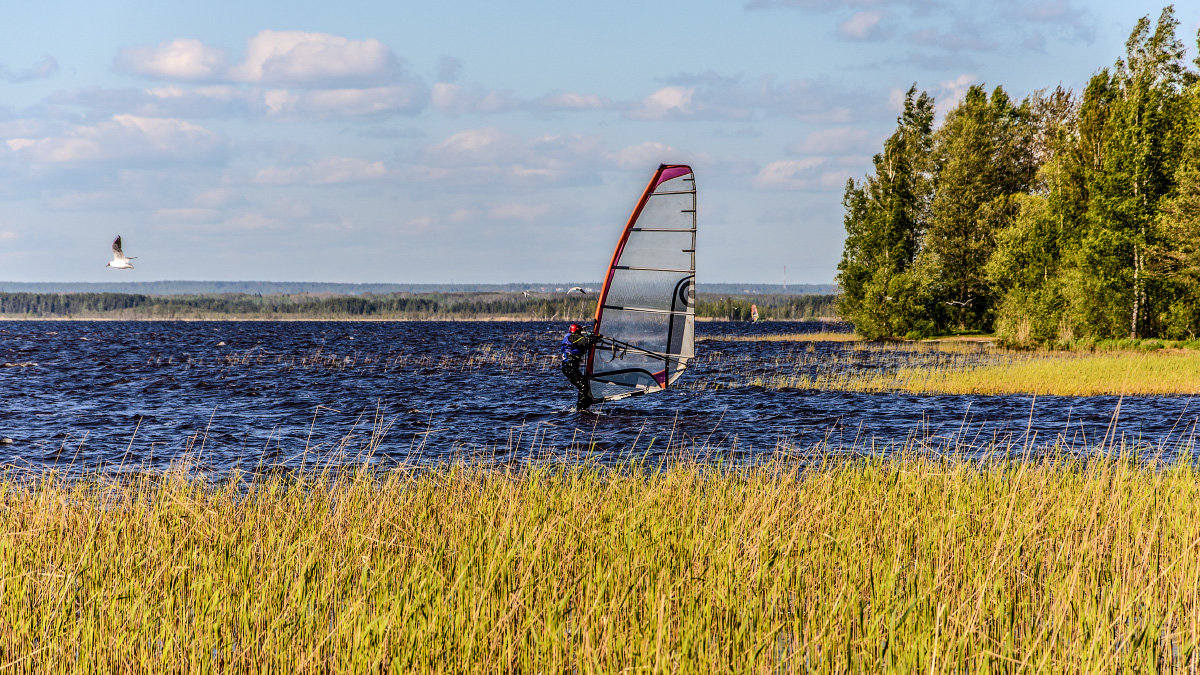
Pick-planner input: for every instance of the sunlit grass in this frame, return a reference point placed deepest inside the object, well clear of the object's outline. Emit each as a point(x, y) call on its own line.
point(1055, 373)
point(903, 564)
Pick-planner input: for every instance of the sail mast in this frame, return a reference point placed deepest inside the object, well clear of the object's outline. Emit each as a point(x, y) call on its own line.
point(645, 306)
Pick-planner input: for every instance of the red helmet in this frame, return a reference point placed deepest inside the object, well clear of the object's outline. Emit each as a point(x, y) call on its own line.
point(574, 328)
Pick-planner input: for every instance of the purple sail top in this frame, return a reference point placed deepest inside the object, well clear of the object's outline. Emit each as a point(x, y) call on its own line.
point(672, 172)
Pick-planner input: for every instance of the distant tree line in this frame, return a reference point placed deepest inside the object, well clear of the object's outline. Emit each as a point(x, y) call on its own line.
point(770, 307)
point(1062, 216)
point(394, 306)
point(183, 287)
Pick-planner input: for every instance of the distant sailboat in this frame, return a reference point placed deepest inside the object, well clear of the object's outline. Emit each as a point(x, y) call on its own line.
point(646, 310)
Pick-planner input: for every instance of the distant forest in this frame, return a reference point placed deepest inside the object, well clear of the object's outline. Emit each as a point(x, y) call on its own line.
point(1063, 216)
point(410, 306)
point(184, 287)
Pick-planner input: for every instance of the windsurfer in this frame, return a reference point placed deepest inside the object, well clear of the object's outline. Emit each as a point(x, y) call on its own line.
point(574, 345)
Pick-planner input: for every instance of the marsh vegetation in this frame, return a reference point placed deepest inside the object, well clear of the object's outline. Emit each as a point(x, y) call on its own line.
point(1081, 561)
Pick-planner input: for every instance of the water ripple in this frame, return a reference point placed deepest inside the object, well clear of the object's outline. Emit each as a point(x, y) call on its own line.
point(254, 394)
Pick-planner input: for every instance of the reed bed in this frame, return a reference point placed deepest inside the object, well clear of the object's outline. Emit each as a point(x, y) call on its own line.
point(932, 563)
point(512, 357)
point(829, 361)
point(1138, 373)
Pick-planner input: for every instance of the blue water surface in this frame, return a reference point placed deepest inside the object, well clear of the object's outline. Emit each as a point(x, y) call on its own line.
point(260, 395)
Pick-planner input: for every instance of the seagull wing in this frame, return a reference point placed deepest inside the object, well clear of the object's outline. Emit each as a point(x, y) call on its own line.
point(117, 253)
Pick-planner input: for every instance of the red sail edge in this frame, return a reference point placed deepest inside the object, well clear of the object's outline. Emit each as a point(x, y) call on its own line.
point(664, 173)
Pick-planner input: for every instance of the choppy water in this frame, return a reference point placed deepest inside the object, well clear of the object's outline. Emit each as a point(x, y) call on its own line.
point(255, 394)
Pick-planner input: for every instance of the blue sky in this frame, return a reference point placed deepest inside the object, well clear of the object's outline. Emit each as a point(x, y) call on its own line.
point(478, 141)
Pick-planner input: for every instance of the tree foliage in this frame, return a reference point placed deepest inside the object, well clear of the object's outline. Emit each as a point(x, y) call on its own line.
point(1057, 217)
point(886, 217)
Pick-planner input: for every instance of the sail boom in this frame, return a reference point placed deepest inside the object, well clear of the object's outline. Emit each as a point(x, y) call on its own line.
point(651, 269)
point(630, 308)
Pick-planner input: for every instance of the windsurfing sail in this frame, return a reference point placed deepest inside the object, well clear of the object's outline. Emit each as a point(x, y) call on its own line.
point(646, 309)
point(753, 312)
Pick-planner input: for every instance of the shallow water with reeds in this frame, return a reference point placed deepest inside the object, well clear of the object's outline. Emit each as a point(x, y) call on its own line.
point(292, 394)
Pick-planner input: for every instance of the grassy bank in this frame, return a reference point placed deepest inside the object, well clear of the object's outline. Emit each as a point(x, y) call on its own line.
point(910, 564)
point(973, 368)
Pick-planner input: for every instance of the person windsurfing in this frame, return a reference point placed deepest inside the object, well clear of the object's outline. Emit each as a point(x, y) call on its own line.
point(574, 345)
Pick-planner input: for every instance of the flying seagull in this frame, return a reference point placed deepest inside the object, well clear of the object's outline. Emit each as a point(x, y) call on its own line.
point(576, 288)
point(119, 260)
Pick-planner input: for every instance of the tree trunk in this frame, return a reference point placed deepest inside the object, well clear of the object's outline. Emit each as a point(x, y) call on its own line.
point(1137, 292)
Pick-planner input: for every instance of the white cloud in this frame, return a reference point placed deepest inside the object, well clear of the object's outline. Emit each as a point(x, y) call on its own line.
point(951, 92)
point(574, 101)
point(296, 57)
point(961, 38)
point(650, 153)
point(473, 145)
point(192, 215)
point(831, 141)
point(328, 171)
point(525, 212)
point(182, 59)
point(250, 221)
point(488, 155)
point(420, 224)
point(24, 126)
point(168, 100)
point(862, 26)
point(449, 69)
point(668, 102)
point(798, 174)
point(955, 29)
point(464, 215)
point(45, 67)
point(711, 96)
point(219, 197)
point(454, 100)
point(808, 5)
point(127, 139)
point(352, 103)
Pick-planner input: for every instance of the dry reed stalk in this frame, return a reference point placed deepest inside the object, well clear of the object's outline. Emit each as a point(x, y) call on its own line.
point(912, 563)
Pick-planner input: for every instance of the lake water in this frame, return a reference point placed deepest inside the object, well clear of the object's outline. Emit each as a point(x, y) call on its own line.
point(282, 394)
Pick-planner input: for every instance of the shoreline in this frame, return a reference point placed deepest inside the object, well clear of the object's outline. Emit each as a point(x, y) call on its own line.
point(287, 319)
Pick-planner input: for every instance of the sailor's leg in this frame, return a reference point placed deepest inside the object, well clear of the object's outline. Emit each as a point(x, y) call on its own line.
point(584, 401)
point(576, 378)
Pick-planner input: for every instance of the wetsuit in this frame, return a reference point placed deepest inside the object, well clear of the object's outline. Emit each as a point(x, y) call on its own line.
point(574, 346)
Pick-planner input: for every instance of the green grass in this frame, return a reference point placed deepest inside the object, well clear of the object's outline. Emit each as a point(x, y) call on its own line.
point(998, 371)
point(915, 563)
